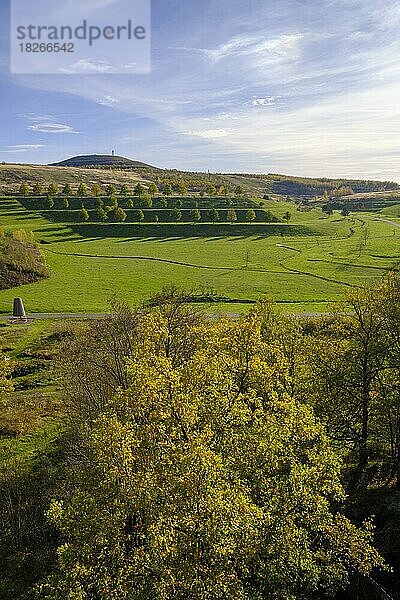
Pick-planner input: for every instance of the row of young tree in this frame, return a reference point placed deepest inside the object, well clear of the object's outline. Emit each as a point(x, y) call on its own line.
point(145, 201)
point(115, 213)
point(203, 457)
point(53, 189)
point(165, 188)
point(196, 182)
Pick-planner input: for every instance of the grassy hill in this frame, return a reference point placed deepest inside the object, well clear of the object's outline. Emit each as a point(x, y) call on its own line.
point(117, 170)
point(102, 160)
point(12, 175)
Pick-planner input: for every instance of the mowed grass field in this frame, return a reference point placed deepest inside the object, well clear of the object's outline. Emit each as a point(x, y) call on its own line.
point(303, 273)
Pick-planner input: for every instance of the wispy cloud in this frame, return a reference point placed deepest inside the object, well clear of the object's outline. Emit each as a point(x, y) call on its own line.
point(267, 101)
point(209, 133)
point(93, 66)
point(52, 128)
point(276, 49)
point(87, 65)
point(108, 101)
point(22, 148)
point(225, 116)
point(47, 124)
point(36, 117)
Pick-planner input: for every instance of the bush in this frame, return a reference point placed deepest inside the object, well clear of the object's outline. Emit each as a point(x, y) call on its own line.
point(21, 261)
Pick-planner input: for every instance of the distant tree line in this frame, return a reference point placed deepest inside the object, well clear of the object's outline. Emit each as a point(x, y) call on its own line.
point(304, 186)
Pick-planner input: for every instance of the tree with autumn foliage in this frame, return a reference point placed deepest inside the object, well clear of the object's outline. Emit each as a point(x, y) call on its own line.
point(152, 190)
point(200, 477)
point(349, 370)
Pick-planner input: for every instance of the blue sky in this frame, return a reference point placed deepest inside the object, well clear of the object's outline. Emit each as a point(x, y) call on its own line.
point(306, 87)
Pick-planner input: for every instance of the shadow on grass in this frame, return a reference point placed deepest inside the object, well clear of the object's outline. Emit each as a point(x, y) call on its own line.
point(25, 217)
point(46, 229)
point(174, 239)
point(165, 232)
point(16, 214)
point(57, 234)
point(70, 238)
point(91, 239)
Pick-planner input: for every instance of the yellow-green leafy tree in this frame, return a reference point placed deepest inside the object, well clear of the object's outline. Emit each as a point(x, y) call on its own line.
point(386, 415)
point(204, 479)
point(352, 377)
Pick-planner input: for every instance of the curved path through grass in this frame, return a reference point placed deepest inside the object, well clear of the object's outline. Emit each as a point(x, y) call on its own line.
point(162, 260)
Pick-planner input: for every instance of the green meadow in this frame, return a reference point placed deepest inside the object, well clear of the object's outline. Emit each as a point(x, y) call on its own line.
point(304, 266)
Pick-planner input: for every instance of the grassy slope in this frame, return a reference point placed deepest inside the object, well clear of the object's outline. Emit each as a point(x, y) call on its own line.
point(31, 431)
point(392, 211)
point(386, 195)
point(34, 404)
point(11, 176)
point(30, 420)
point(306, 271)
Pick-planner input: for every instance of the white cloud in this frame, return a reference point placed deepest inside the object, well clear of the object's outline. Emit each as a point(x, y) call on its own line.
point(277, 49)
point(108, 101)
point(87, 65)
point(267, 101)
point(209, 133)
point(52, 128)
point(27, 146)
point(47, 124)
point(37, 118)
point(225, 116)
point(22, 148)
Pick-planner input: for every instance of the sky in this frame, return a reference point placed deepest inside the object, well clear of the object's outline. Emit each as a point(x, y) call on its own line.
point(302, 87)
